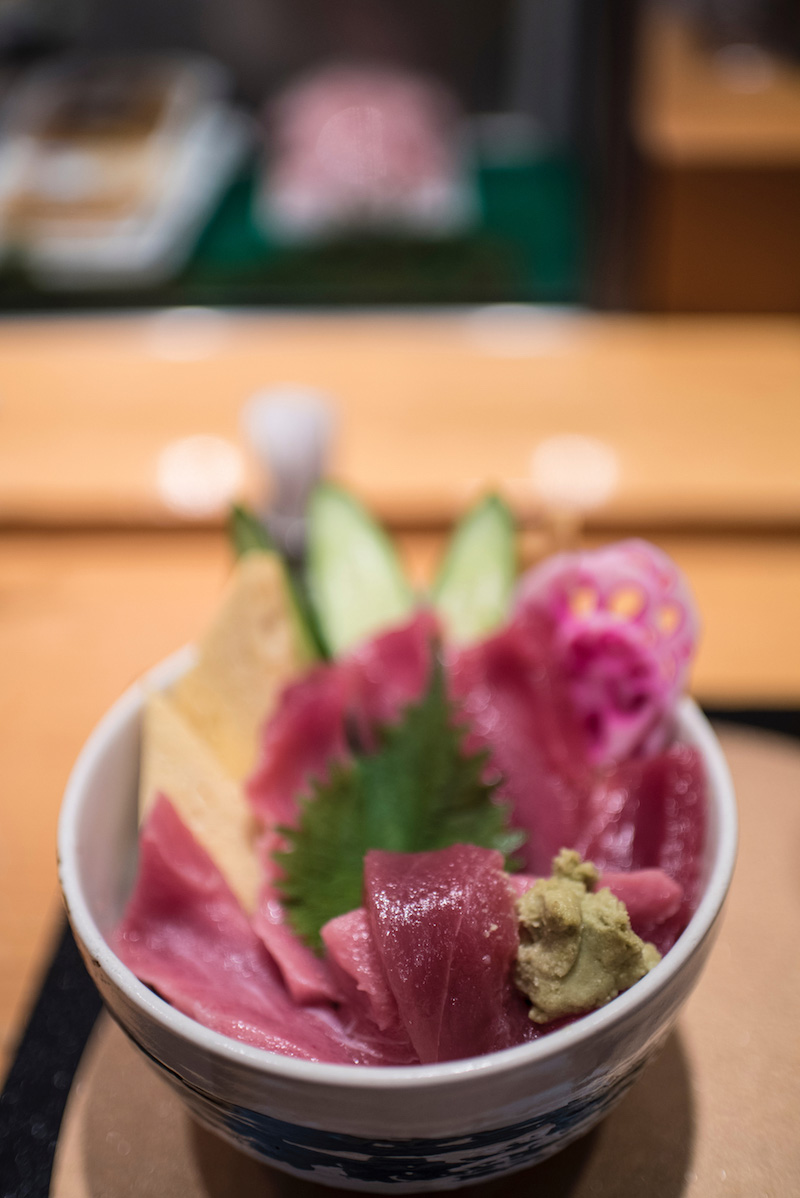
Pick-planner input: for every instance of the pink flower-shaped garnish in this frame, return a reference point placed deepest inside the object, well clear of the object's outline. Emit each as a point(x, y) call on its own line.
point(623, 627)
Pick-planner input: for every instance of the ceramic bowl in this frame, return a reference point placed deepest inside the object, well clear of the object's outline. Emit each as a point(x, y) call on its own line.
point(420, 1127)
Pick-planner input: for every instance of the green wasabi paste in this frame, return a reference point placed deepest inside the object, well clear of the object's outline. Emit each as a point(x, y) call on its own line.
point(577, 950)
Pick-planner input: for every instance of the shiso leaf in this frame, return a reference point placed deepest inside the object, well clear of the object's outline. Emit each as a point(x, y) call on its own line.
point(420, 790)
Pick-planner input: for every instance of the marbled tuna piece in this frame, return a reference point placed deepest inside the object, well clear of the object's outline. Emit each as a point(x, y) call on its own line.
point(624, 628)
point(445, 929)
point(307, 977)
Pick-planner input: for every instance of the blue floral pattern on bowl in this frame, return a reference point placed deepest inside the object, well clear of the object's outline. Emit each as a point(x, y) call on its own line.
point(421, 1163)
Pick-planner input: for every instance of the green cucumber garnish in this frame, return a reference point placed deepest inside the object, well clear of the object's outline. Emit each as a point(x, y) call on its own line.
point(472, 591)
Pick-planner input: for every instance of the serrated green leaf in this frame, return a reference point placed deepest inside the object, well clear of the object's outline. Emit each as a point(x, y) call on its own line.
point(420, 790)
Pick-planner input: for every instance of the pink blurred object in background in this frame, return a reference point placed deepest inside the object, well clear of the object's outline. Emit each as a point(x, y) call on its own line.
point(364, 149)
point(624, 628)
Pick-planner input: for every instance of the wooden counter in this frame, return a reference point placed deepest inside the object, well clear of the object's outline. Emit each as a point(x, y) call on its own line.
point(696, 421)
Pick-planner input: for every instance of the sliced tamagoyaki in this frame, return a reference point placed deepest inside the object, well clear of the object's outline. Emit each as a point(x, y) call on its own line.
point(200, 739)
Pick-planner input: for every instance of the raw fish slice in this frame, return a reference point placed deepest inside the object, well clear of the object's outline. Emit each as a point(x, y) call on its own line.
point(622, 829)
point(651, 813)
point(516, 707)
point(681, 851)
point(351, 948)
point(309, 729)
point(652, 899)
point(306, 733)
point(624, 628)
point(356, 965)
point(388, 672)
point(184, 933)
point(650, 896)
point(648, 813)
point(446, 931)
point(306, 976)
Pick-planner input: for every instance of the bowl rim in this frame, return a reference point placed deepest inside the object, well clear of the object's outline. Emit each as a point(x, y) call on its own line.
point(694, 729)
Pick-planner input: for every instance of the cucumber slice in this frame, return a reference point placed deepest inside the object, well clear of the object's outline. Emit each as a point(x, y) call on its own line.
point(472, 591)
point(355, 579)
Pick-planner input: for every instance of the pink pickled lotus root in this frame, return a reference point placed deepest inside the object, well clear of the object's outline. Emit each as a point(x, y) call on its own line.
point(624, 628)
point(364, 147)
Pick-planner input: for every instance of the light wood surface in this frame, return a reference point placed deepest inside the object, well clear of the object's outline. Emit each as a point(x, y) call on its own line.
point(80, 619)
point(693, 105)
point(699, 417)
point(715, 1115)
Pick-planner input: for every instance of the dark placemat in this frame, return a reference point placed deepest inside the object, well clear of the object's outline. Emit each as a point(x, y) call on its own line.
point(38, 1083)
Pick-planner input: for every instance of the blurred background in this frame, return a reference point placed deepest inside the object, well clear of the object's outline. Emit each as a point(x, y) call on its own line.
point(632, 154)
point(550, 247)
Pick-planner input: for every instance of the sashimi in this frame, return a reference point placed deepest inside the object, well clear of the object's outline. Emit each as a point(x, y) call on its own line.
point(358, 970)
point(184, 933)
point(390, 671)
point(515, 706)
point(651, 813)
point(624, 628)
point(351, 950)
point(306, 733)
point(446, 931)
point(307, 977)
point(316, 715)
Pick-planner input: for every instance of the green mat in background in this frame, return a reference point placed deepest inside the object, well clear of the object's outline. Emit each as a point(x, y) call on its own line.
point(528, 247)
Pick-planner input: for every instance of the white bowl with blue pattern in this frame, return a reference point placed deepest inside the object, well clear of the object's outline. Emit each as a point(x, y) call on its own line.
point(419, 1127)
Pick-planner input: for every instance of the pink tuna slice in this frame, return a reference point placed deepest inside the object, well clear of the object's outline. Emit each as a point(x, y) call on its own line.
point(309, 729)
point(306, 733)
point(306, 976)
point(651, 813)
point(624, 628)
point(184, 933)
point(446, 932)
point(299, 742)
point(388, 672)
point(351, 949)
point(515, 704)
point(358, 970)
